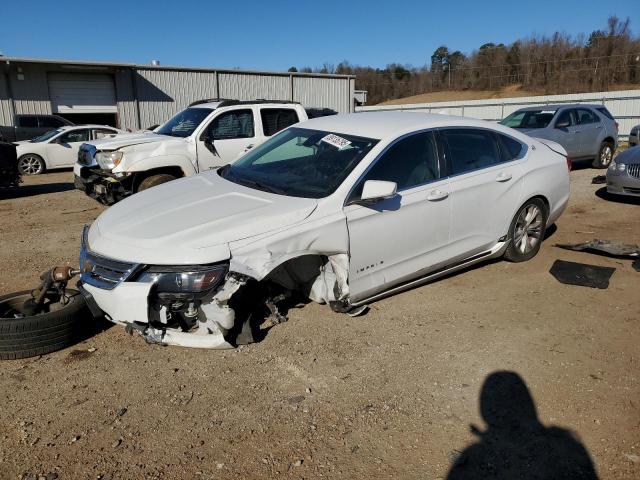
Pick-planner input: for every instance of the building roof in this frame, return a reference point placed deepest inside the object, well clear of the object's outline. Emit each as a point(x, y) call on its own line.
point(86, 63)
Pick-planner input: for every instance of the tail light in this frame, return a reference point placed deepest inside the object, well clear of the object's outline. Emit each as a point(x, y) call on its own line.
point(569, 163)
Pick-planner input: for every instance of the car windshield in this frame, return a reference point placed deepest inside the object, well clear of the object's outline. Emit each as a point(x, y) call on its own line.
point(529, 119)
point(299, 162)
point(46, 136)
point(184, 123)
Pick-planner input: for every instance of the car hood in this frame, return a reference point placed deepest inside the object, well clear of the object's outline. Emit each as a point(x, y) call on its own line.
point(191, 221)
point(128, 139)
point(631, 156)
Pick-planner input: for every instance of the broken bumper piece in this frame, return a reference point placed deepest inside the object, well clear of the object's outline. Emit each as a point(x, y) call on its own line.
point(130, 305)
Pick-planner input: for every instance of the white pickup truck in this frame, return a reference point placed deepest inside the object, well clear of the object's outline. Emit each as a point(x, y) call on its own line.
point(204, 136)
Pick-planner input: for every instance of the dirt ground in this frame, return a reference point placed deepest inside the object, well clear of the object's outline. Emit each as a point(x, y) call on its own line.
point(509, 91)
point(392, 394)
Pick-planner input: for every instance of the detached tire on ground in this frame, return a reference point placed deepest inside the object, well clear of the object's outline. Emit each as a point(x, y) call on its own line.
point(526, 231)
point(30, 336)
point(154, 180)
point(605, 155)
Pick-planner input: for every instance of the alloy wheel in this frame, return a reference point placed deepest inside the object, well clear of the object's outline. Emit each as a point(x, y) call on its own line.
point(528, 229)
point(606, 155)
point(30, 165)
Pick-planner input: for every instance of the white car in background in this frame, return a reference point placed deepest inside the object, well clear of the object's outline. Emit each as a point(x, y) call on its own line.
point(58, 148)
point(344, 209)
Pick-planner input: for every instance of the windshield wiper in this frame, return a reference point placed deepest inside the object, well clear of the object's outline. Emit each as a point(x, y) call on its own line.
point(261, 186)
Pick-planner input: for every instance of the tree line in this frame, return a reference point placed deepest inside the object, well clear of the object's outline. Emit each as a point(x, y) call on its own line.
point(554, 64)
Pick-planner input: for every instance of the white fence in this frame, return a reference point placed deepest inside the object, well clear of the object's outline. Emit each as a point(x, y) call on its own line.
point(623, 105)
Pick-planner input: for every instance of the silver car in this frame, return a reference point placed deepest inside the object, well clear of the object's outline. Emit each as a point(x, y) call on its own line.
point(634, 136)
point(587, 132)
point(623, 175)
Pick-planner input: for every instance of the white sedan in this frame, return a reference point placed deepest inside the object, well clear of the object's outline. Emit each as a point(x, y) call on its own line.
point(343, 209)
point(58, 148)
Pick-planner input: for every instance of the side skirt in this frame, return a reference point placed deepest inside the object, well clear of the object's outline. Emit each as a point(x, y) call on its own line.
point(495, 252)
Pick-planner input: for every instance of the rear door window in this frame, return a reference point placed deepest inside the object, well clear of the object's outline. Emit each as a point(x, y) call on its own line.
point(29, 121)
point(230, 125)
point(276, 119)
point(585, 116)
point(469, 149)
point(99, 133)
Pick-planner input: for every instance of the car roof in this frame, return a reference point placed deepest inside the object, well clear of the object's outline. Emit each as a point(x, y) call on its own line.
point(88, 125)
point(558, 106)
point(381, 125)
point(213, 104)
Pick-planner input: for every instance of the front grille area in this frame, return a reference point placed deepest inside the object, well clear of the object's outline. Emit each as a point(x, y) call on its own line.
point(103, 272)
point(634, 170)
point(635, 191)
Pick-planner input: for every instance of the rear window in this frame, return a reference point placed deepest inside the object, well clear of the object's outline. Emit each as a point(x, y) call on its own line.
point(276, 119)
point(510, 148)
point(605, 112)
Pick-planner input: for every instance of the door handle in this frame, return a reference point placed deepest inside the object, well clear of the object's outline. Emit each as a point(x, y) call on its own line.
point(436, 195)
point(248, 147)
point(504, 177)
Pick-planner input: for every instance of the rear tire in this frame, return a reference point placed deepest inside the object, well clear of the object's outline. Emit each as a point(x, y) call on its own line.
point(31, 164)
point(526, 231)
point(605, 155)
point(35, 335)
point(154, 180)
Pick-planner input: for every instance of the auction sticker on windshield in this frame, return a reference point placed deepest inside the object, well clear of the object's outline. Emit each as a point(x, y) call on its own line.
point(336, 141)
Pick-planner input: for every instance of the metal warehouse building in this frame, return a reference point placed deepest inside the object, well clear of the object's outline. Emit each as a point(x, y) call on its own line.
point(132, 96)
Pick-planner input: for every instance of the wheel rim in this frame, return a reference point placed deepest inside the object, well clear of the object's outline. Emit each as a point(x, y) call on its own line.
point(606, 155)
point(30, 165)
point(528, 229)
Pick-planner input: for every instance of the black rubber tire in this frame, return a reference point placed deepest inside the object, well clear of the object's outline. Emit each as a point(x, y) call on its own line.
point(154, 180)
point(512, 253)
point(43, 165)
point(46, 333)
point(597, 162)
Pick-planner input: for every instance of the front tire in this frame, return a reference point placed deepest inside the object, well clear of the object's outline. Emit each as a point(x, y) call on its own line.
point(31, 164)
point(605, 155)
point(154, 180)
point(526, 231)
point(28, 336)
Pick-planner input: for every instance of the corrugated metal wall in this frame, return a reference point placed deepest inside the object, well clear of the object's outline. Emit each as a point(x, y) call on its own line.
point(148, 96)
point(324, 92)
point(624, 105)
point(31, 94)
point(240, 86)
point(162, 93)
point(6, 113)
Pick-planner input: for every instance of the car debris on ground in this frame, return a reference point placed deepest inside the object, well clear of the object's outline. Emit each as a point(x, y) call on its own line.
point(607, 247)
point(581, 274)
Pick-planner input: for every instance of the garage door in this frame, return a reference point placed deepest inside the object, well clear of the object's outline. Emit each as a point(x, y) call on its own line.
point(82, 93)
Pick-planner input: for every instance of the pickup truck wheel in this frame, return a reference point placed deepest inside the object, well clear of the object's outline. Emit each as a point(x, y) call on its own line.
point(23, 336)
point(605, 155)
point(527, 231)
point(154, 180)
point(31, 164)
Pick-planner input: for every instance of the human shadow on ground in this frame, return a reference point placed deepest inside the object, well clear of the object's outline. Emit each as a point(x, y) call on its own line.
point(516, 445)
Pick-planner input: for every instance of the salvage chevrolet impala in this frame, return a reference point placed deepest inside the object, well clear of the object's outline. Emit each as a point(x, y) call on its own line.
point(344, 209)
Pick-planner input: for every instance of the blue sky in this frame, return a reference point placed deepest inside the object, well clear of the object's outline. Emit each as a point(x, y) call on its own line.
point(276, 34)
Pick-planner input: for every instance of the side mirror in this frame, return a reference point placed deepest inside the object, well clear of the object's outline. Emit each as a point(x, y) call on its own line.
point(563, 124)
point(376, 190)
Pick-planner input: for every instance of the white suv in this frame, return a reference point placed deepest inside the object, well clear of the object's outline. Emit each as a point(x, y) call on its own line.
point(343, 209)
point(202, 137)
